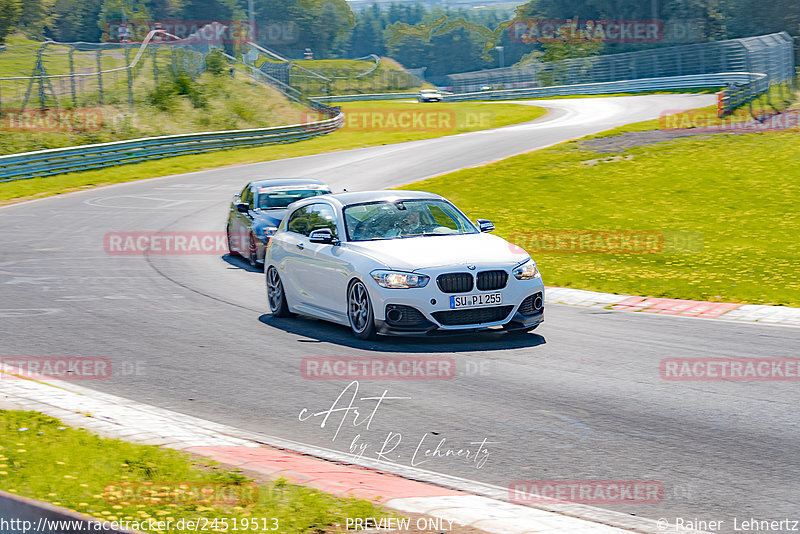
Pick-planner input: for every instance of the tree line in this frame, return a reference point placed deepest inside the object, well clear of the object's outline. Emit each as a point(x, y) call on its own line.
point(442, 39)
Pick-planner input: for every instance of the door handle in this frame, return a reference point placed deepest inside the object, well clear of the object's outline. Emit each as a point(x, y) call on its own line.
point(300, 246)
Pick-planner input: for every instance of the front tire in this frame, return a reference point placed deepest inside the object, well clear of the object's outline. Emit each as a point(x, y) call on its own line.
point(359, 311)
point(276, 295)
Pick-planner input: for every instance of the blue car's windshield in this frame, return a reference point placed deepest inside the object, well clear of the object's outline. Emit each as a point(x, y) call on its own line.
point(269, 199)
point(407, 218)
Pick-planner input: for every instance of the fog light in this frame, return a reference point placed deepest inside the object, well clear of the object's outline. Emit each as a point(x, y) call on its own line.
point(394, 315)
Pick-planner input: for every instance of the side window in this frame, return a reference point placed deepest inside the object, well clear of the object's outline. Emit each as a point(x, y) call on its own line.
point(312, 217)
point(322, 216)
point(298, 221)
point(247, 196)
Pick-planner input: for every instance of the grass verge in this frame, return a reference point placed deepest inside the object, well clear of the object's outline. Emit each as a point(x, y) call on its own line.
point(42, 459)
point(210, 103)
point(468, 116)
point(737, 191)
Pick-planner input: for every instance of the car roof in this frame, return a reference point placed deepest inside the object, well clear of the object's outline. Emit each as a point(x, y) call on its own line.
point(279, 182)
point(360, 197)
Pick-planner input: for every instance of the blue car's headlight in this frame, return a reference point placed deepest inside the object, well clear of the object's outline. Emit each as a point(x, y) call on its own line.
point(526, 270)
point(399, 280)
point(266, 232)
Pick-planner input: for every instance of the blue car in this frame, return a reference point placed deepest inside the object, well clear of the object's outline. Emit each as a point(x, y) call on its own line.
point(258, 209)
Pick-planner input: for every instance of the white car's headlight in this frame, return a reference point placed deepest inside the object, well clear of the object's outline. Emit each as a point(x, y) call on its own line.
point(526, 270)
point(398, 280)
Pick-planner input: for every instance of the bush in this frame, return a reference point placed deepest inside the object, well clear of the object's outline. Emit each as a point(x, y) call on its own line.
point(216, 63)
point(184, 85)
point(163, 97)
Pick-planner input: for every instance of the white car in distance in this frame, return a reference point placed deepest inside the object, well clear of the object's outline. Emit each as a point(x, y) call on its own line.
point(399, 262)
point(429, 95)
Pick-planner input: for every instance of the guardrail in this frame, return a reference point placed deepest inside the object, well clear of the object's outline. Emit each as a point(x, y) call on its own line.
point(721, 79)
point(370, 96)
point(752, 81)
point(743, 86)
point(737, 94)
point(80, 158)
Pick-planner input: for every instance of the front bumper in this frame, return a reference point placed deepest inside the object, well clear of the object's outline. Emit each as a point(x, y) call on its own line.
point(429, 302)
point(517, 323)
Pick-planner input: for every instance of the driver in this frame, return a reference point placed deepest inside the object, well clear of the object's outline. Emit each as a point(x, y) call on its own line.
point(412, 223)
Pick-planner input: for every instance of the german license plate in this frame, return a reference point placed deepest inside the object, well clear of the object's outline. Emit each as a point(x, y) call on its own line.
point(475, 301)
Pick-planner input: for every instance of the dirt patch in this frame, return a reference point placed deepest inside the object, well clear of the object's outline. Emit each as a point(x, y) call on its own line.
point(622, 142)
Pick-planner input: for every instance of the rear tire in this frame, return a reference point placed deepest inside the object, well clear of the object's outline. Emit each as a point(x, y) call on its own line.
point(231, 249)
point(252, 252)
point(276, 295)
point(359, 311)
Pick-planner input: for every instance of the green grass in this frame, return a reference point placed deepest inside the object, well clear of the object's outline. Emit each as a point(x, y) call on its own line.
point(486, 116)
point(42, 459)
point(739, 192)
point(348, 77)
point(231, 104)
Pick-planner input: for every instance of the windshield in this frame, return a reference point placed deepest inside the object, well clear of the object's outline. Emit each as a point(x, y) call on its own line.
point(269, 199)
point(406, 218)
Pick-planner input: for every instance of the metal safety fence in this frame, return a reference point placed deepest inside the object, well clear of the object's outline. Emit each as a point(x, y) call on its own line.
point(368, 74)
point(771, 55)
point(73, 75)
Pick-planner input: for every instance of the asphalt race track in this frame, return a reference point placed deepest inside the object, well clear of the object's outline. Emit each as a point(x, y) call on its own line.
point(579, 398)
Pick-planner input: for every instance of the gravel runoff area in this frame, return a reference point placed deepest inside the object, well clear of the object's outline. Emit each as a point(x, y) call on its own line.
point(624, 141)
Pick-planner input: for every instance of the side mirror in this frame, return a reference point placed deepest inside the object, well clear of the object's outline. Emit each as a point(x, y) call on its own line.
point(243, 207)
point(485, 225)
point(321, 235)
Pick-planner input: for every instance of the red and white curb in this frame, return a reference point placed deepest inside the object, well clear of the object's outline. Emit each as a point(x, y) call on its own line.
point(454, 500)
point(726, 311)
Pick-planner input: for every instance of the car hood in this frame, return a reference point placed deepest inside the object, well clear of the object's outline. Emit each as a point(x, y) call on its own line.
point(413, 253)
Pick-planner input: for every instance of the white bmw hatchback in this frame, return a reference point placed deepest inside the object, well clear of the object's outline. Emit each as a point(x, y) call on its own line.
point(399, 262)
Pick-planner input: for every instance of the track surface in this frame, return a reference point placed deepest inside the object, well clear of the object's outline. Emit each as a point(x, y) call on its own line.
point(581, 398)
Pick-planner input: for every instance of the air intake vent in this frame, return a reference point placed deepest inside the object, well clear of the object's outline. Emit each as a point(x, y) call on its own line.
point(490, 280)
point(472, 316)
point(531, 305)
point(455, 282)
